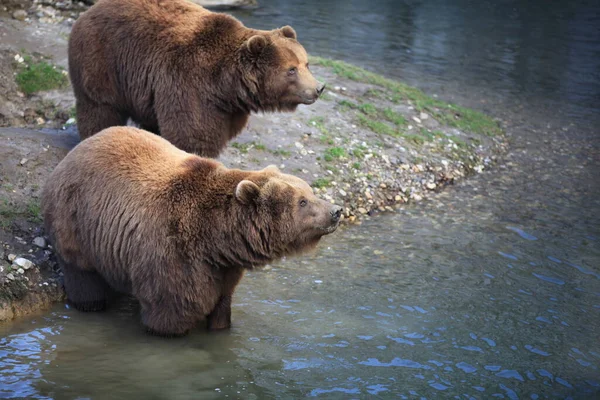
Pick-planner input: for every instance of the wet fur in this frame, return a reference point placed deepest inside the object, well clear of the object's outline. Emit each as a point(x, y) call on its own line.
point(128, 211)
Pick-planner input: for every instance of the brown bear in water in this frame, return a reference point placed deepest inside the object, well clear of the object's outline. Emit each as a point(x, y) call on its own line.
point(179, 70)
point(128, 211)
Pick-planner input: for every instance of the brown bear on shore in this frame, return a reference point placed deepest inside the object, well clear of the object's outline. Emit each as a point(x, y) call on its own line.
point(191, 75)
point(128, 211)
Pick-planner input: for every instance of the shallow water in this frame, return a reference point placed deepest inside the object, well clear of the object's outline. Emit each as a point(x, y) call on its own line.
point(490, 289)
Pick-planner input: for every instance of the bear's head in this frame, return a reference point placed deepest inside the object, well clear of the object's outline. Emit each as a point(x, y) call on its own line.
point(279, 71)
point(287, 218)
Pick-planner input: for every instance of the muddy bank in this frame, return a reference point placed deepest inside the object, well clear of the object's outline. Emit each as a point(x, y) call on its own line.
point(370, 144)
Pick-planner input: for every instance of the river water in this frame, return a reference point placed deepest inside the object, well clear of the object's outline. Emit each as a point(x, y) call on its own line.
point(489, 290)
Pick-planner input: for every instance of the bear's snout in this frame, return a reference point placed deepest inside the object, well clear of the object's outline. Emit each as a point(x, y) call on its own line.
point(336, 213)
point(320, 88)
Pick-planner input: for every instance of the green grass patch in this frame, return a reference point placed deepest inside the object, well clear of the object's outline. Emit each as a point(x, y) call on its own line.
point(346, 105)
point(282, 153)
point(377, 126)
point(334, 152)
point(368, 109)
point(9, 212)
point(394, 117)
point(356, 165)
point(40, 76)
point(456, 116)
point(321, 183)
point(242, 147)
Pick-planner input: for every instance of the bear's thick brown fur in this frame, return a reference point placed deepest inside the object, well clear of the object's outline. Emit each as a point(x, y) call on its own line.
point(191, 75)
point(128, 211)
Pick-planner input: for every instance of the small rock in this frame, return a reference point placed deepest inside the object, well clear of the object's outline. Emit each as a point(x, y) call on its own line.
point(40, 242)
point(39, 120)
point(343, 193)
point(398, 197)
point(368, 194)
point(362, 210)
point(12, 257)
point(23, 161)
point(20, 271)
point(10, 276)
point(423, 116)
point(431, 186)
point(20, 15)
point(23, 262)
point(299, 145)
point(382, 185)
point(417, 120)
point(377, 252)
point(417, 197)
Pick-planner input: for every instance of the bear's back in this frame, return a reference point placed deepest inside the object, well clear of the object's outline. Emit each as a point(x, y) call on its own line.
point(107, 203)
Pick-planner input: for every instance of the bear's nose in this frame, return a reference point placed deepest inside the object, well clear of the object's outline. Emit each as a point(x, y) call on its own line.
point(320, 89)
point(336, 213)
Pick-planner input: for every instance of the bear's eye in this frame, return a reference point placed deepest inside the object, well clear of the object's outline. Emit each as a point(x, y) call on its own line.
point(292, 71)
point(303, 203)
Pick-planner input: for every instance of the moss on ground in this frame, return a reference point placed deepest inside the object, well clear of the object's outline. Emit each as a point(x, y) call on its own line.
point(38, 76)
point(456, 116)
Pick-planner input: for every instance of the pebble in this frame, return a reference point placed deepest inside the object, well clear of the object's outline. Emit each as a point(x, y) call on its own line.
point(20, 271)
point(299, 145)
point(423, 116)
point(431, 186)
point(398, 197)
point(343, 193)
point(12, 257)
point(23, 161)
point(417, 120)
point(40, 242)
point(10, 276)
point(362, 210)
point(23, 262)
point(20, 15)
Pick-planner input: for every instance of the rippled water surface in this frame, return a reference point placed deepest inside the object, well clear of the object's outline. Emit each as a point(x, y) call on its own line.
point(489, 290)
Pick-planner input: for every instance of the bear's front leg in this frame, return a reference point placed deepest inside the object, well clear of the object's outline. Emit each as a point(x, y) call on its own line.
point(166, 320)
point(220, 316)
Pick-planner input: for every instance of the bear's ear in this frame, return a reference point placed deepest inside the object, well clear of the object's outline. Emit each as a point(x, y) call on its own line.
point(246, 191)
point(271, 168)
point(288, 32)
point(256, 44)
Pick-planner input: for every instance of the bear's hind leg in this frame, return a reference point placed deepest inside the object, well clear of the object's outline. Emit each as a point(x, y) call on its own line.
point(93, 117)
point(86, 290)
